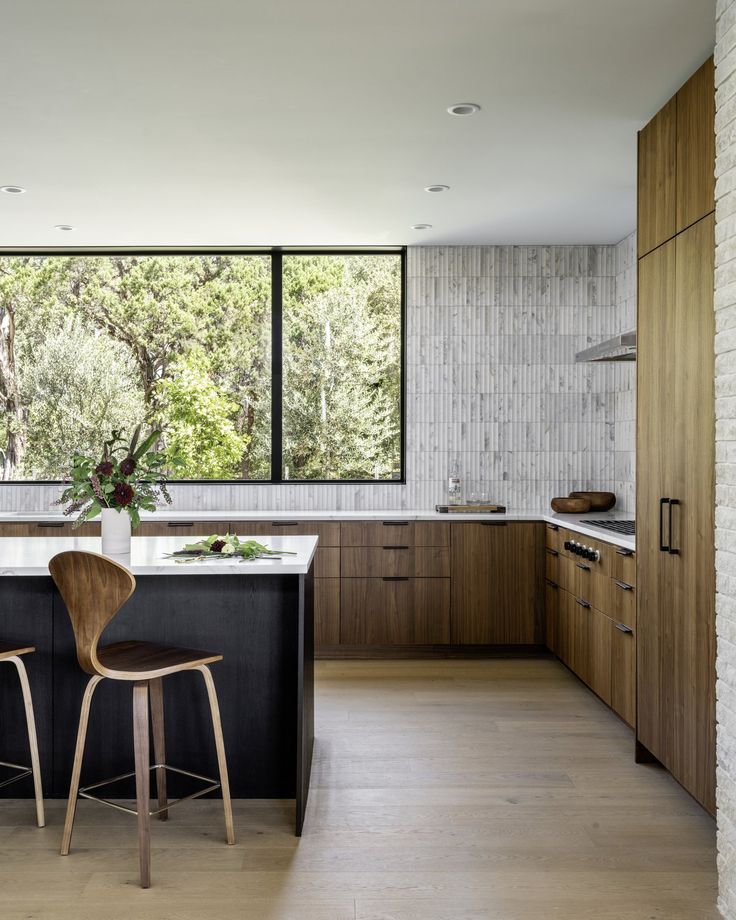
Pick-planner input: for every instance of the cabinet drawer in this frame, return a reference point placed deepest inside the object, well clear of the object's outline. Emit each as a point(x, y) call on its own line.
point(49, 529)
point(552, 564)
point(623, 672)
point(181, 528)
point(553, 536)
point(394, 611)
point(566, 577)
point(623, 602)
point(377, 533)
point(326, 611)
point(624, 566)
point(431, 533)
point(591, 585)
point(327, 531)
point(551, 615)
point(327, 562)
point(410, 561)
point(604, 564)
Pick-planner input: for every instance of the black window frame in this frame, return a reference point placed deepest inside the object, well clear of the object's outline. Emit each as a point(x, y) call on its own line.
point(276, 254)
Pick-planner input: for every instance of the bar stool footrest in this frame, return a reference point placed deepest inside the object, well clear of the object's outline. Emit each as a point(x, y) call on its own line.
point(21, 773)
point(84, 791)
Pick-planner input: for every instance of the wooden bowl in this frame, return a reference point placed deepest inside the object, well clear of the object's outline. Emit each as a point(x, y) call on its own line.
point(570, 505)
point(599, 501)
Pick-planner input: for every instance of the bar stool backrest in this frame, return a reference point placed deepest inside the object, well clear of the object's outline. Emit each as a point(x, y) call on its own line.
point(94, 588)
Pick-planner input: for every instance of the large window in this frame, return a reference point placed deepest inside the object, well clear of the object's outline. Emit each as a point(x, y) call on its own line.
point(256, 367)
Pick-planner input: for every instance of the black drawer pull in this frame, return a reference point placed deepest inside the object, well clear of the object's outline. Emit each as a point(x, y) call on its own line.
point(493, 523)
point(552, 552)
point(395, 523)
point(624, 629)
point(50, 524)
point(583, 566)
point(284, 523)
point(395, 578)
point(552, 584)
point(624, 586)
point(621, 551)
point(582, 603)
point(396, 547)
point(180, 523)
point(553, 527)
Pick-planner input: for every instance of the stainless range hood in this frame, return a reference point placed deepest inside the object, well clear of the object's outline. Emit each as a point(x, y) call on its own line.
point(620, 348)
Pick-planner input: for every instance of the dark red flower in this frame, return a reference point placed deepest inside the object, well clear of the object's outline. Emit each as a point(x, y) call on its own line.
point(123, 494)
point(217, 546)
point(105, 468)
point(127, 466)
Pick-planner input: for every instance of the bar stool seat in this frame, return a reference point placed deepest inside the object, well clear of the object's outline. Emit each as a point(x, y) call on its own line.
point(94, 588)
point(10, 652)
point(133, 660)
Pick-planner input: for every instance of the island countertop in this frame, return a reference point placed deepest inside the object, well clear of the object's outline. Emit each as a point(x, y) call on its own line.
point(28, 556)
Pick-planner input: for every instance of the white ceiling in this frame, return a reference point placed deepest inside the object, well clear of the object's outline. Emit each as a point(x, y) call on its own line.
point(319, 122)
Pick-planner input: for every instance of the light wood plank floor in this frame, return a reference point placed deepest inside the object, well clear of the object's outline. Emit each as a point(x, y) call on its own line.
point(444, 790)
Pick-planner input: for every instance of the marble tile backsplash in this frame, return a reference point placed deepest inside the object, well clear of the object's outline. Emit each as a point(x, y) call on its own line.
point(491, 381)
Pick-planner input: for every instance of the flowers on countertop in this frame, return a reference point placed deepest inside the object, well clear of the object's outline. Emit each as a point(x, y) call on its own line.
point(228, 546)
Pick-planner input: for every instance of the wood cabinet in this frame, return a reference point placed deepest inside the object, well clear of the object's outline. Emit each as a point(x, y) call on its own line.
point(676, 159)
point(623, 672)
point(48, 528)
point(497, 583)
point(696, 141)
point(326, 611)
point(675, 502)
point(675, 577)
point(657, 179)
point(194, 529)
point(394, 611)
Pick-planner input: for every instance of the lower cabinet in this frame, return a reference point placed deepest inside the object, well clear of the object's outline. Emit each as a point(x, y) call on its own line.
point(497, 583)
point(326, 611)
point(394, 611)
point(623, 672)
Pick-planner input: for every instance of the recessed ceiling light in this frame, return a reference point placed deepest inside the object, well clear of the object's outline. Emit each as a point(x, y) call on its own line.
point(12, 189)
point(436, 188)
point(464, 108)
point(63, 227)
point(421, 226)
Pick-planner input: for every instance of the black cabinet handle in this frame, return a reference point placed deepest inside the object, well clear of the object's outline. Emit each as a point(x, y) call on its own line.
point(395, 578)
point(581, 565)
point(180, 523)
point(552, 552)
point(50, 524)
point(624, 586)
point(284, 523)
point(624, 552)
point(582, 603)
point(552, 584)
point(395, 523)
point(553, 526)
point(493, 523)
point(671, 549)
point(396, 547)
point(621, 628)
point(663, 547)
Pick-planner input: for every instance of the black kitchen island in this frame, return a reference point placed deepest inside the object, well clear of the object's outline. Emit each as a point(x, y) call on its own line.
point(259, 615)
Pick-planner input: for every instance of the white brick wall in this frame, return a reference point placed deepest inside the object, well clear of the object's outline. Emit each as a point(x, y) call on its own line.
point(725, 348)
point(491, 377)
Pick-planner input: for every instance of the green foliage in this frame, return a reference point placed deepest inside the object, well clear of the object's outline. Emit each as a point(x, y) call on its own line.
point(201, 421)
point(182, 343)
point(228, 546)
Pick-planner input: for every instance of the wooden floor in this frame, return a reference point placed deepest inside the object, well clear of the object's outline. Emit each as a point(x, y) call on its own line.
point(443, 790)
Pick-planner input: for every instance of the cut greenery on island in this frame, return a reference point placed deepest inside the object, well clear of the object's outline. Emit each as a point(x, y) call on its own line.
point(227, 546)
point(129, 477)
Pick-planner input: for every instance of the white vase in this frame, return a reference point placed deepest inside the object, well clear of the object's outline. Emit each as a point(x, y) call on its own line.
point(115, 532)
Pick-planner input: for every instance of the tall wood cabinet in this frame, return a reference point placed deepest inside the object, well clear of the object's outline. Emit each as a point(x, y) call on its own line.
point(676, 454)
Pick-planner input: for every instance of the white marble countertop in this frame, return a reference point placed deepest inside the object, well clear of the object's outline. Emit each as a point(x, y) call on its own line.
point(31, 556)
point(577, 522)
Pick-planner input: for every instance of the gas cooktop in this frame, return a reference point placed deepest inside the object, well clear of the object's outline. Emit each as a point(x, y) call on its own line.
point(628, 528)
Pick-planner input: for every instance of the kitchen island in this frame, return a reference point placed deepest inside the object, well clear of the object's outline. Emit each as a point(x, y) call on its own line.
point(258, 614)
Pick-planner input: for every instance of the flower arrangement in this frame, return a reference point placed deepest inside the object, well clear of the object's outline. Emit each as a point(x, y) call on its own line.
point(227, 546)
point(130, 476)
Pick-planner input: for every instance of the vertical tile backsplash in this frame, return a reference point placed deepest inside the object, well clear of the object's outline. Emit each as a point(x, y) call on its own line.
point(491, 381)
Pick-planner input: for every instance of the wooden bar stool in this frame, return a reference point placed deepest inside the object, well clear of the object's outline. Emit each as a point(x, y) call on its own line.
point(94, 588)
point(11, 652)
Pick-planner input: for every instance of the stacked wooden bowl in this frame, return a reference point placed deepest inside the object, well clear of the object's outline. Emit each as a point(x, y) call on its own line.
point(582, 502)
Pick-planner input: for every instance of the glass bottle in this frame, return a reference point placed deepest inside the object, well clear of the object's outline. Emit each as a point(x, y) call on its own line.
point(454, 486)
